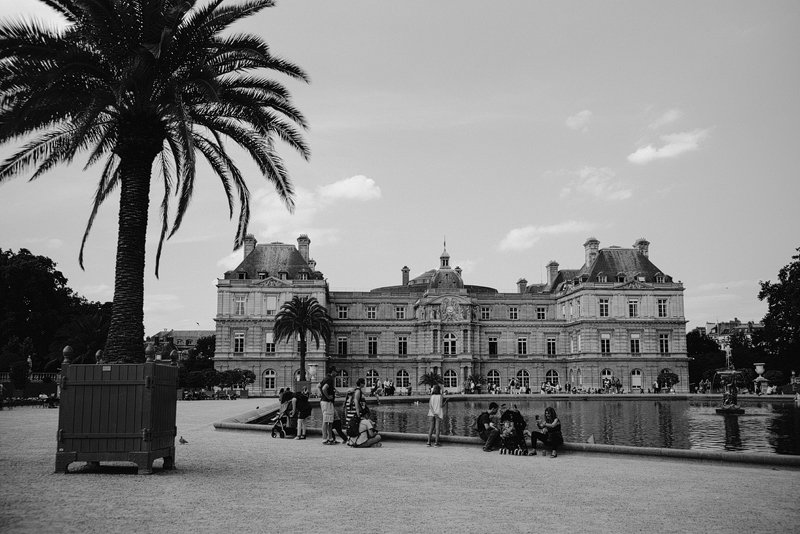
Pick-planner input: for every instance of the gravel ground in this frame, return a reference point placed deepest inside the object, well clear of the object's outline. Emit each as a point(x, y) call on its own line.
point(229, 481)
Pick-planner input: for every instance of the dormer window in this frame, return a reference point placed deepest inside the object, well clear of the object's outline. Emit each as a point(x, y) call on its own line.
point(659, 278)
point(621, 277)
point(303, 276)
point(283, 275)
point(262, 275)
point(602, 278)
point(241, 275)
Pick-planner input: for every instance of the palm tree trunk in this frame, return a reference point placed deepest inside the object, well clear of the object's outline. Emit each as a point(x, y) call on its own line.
point(302, 348)
point(126, 333)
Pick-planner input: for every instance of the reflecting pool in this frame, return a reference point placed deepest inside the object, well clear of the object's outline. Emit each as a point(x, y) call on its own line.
point(766, 427)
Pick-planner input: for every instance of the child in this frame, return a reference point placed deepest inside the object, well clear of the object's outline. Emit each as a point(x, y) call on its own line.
point(435, 413)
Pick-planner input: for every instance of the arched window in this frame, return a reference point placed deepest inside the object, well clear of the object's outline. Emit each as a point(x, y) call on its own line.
point(450, 344)
point(606, 373)
point(602, 278)
point(269, 379)
point(524, 378)
point(342, 379)
point(402, 380)
point(552, 377)
point(620, 277)
point(580, 377)
point(493, 377)
point(450, 379)
point(372, 378)
point(636, 378)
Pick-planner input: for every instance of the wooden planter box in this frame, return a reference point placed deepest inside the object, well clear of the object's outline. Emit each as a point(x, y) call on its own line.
point(117, 413)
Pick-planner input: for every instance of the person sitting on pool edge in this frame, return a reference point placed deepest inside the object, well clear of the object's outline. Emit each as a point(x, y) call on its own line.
point(367, 434)
point(487, 429)
point(550, 434)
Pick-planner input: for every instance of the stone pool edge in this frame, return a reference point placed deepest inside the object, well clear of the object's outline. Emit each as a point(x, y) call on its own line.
point(241, 422)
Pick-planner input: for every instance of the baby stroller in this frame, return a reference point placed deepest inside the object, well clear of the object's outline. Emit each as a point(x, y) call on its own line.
point(280, 423)
point(512, 435)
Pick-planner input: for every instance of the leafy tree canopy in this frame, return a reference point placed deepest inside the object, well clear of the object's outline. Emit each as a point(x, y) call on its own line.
point(781, 334)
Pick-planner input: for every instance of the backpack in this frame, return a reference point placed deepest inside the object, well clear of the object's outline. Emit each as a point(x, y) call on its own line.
point(353, 426)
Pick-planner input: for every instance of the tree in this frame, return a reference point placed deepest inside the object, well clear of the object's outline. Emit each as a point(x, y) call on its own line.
point(302, 317)
point(205, 347)
point(667, 379)
point(139, 83)
point(431, 379)
point(781, 334)
point(705, 356)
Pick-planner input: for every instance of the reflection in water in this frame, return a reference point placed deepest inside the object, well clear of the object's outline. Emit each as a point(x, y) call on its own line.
point(766, 427)
point(733, 436)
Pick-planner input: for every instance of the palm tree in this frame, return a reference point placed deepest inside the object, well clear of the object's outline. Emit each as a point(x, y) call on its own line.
point(302, 317)
point(431, 379)
point(144, 84)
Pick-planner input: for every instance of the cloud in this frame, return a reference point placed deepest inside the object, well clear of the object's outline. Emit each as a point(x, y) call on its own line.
point(354, 188)
point(527, 236)
point(667, 118)
point(231, 261)
point(597, 182)
point(580, 121)
point(674, 145)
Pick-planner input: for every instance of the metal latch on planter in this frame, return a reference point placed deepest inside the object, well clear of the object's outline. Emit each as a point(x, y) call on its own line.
point(147, 434)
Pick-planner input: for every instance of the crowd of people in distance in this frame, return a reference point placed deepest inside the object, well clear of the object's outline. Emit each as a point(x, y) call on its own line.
point(500, 428)
point(508, 432)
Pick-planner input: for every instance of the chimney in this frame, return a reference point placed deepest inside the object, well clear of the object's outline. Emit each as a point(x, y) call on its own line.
point(312, 263)
point(458, 271)
point(249, 244)
point(552, 272)
point(303, 243)
point(522, 285)
point(405, 270)
point(590, 247)
point(642, 245)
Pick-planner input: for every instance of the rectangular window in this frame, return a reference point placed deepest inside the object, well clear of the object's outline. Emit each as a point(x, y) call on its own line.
point(372, 345)
point(513, 313)
point(341, 346)
point(465, 340)
point(399, 312)
point(603, 307)
point(435, 341)
point(663, 343)
point(262, 275)
point(551, 346)
point(272, 304)
point(541, 313)
point(269, 345)
point(238, 304)
point(238, 342)
point(662, 307)
point(485, 313)
point(633, 308)
point(342, 311)
point(635, 348)
point(522, 345)
point(492, 345)
point(372, 312)
point(402, 345)
point(605, 343)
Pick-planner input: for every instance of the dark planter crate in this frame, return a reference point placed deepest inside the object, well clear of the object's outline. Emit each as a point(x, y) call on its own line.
point(117, 413)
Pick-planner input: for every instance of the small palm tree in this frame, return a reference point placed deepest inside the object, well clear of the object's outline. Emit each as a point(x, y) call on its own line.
point(303, 317)
point(431, 379)
point(144, 84)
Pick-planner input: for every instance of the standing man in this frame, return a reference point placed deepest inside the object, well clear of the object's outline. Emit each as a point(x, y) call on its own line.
point(328, 395)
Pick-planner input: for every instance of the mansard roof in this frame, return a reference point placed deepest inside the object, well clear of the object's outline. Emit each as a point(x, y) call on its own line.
point(274, 258)
point(628, 261)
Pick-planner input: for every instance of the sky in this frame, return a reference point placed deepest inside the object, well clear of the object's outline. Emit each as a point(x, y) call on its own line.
point(513, 130)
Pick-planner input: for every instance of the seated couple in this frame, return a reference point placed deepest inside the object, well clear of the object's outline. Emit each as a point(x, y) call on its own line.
point(367, 433)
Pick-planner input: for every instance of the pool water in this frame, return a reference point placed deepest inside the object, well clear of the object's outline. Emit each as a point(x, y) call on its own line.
point(766, 427)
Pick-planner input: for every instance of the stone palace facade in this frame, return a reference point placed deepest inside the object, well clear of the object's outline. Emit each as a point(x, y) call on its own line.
point(617, 316)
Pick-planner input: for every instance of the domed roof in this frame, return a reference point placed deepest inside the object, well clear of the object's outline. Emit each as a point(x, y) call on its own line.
point(446, 278)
